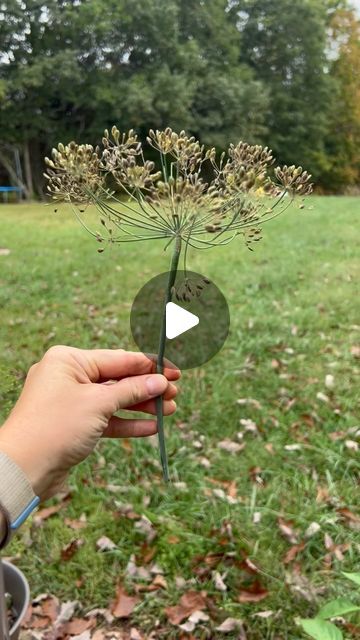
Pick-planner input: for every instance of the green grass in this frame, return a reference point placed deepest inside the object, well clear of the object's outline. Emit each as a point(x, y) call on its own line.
point(293, 300)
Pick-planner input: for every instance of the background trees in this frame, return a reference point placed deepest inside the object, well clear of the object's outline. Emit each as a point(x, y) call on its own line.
point(285, 74)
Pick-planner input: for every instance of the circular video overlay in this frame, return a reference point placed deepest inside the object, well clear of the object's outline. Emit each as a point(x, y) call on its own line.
point(197, 318)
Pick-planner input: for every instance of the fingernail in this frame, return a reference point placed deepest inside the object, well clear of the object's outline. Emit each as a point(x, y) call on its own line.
point(155, 384)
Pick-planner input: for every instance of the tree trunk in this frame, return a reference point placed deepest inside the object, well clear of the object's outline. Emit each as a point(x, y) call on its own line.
point(28, 170)
point(8, 166)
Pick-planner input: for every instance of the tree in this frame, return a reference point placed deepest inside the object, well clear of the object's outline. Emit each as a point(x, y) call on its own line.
point(285, 44)
point(69, 69)
point(343, 139)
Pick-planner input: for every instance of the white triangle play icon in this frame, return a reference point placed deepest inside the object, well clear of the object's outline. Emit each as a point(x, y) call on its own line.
point(178, 320)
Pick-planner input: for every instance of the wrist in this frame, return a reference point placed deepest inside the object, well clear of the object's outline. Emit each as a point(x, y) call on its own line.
point(28, 457)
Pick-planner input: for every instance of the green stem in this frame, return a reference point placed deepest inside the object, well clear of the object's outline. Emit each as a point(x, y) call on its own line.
point(160, 356)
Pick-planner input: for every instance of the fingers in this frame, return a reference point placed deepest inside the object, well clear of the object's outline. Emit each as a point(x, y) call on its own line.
point(105, 364)
point(132, 391)
point(123, 428)
point(169, 407)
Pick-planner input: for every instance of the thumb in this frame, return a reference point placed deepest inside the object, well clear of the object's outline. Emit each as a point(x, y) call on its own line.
point(134, 390)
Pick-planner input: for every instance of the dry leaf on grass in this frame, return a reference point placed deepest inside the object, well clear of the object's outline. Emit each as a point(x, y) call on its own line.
point(124, 605)
point(44, 514)
point(189, 602)
point(286, 528)
point(230, 446)
point(352, 519)
point(293, 552)
point(105, 544)
point(229, 625)
point(254, 593)
point(70, 549)
point(78, 625)
point(104, 613)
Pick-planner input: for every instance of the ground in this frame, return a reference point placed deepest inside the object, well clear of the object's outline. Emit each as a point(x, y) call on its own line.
point(234, 524)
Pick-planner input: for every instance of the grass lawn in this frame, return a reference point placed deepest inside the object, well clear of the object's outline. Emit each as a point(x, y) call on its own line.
point(294, 305)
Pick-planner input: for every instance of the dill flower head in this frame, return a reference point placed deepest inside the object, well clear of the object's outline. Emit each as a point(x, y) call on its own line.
point(187, 194)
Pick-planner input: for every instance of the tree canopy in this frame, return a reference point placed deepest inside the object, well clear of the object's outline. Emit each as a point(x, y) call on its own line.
point(284, 74)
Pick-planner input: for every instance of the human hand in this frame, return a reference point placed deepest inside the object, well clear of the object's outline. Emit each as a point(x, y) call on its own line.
point(68, 403)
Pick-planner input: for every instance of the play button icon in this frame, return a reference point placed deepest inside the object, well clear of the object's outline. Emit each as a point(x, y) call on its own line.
point(178, 320)
point(196, 317)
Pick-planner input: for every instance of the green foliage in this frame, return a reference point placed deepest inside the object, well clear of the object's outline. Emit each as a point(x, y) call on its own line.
point(283, 74)
point(337, 608)
point(318, 627)
point(354, 577)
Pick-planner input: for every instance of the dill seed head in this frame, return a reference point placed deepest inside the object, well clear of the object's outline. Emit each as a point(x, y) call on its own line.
point(171, 198)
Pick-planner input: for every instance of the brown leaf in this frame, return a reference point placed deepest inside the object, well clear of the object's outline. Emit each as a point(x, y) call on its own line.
point(78, 625)
point(248, 566)
point(50, 608)
point(355, 351)
point(70, 549)
point(230, 624)
point(322, 494)
point(352, 519)
point(44, 514)
point(38, 622)
point(75, 524)
point(124, 605)
point(255, 593)
point(230, 446)
point(293, 552)
point(189, 602)
point(160, 581)
point(286, 528)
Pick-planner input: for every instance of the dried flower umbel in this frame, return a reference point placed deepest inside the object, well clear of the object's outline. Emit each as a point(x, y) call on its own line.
point(175, 203)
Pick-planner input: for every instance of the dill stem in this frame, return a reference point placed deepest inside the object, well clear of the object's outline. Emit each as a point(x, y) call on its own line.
point(160, 356)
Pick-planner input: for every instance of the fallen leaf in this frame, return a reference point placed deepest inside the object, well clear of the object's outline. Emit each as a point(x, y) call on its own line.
point(76, 524)
point(78, 625)
point(124, 604)
point(145, 526)
point(322, 397)
point(4, 251)
point(255, 593)
point(199, 616)
point(329, 381)
point(85, 635)
point(230, 446)
point(66, 612)
point(263, 614)
point(352, 519)
point(312, 529)
point(105, 544)
point(104, 613)
point(50, 608)
point(44, 514)
point(352, 445)
point(355, 351)
point(286, 528)
point(230, 624)
point(219, 582)
point(301, 586)
point(292, 447)
point(189, 602)
point(70, 549)
point(293, 552)
point(160, 581)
